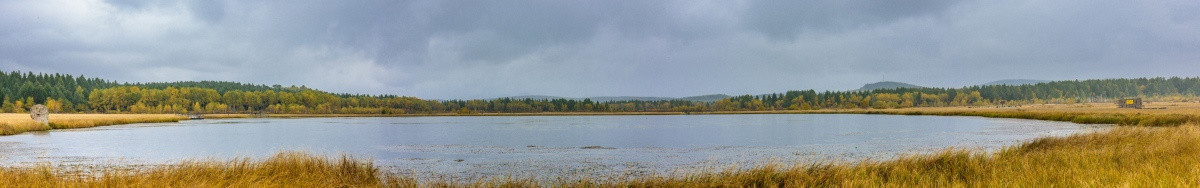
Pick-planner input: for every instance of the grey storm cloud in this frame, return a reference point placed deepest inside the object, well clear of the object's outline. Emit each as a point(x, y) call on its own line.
point(480, 49)
point(787, 19)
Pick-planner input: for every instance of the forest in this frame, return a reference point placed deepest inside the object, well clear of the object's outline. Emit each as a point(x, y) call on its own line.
point(70, 94)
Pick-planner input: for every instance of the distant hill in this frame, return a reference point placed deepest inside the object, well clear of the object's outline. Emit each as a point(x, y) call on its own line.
point(536, 97)
point(1015, 82)
point(886, 85)
point(706, 98)
point(628, 98)
point(701, 98)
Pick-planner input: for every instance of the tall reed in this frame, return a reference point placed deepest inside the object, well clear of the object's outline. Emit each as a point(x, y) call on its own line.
point(286, 169)
point(13, 123)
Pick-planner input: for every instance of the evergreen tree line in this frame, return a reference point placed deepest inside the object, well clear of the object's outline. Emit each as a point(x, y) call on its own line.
point(136, 99)
point(64, 93)
point(1060, 92)
point(22, 90)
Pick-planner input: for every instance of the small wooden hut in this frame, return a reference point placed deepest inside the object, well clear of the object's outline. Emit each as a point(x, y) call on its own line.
point(1130, 103)
point(195, 116)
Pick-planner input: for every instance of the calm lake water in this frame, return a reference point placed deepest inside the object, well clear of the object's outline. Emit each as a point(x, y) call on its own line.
point(468, 147)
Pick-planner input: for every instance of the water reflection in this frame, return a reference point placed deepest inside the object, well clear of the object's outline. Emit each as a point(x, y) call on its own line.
point(481, 146)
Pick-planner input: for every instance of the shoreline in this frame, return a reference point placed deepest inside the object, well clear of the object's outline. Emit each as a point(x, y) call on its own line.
point(1163, 114)
point(1148, 147)
point(15, 123)
point(1157, 114)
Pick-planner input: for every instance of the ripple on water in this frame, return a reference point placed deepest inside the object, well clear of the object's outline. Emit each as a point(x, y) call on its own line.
point(537, 146)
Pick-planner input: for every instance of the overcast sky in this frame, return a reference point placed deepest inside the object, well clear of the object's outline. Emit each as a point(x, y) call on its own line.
point(477, 49)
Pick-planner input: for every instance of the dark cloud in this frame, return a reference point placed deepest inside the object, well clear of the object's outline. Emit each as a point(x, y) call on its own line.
point(477, 49)
point(786, 19)
point(209, 11)
point(132, 4)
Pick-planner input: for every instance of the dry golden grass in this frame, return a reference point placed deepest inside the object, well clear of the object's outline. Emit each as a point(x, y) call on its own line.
point(1156, 114)
point(10, 127)
point(19, 123)
point(285, 169)
point(1169, 114)
point(12, 123)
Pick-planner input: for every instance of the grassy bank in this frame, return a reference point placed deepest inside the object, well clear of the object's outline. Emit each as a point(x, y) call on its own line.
point(1129, 117)
point(1158, 114)
point(11, 123)
point(16, 123)
point(282, 170)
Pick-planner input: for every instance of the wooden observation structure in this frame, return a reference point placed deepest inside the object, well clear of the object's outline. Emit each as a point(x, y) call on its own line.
point(195, 116)
point(1130, 103)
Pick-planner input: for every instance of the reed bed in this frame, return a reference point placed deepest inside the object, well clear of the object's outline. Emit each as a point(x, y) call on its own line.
point(1133, 119)
point(10, 127)
point(286, 169)
point(12, 123)
point(1157, 114)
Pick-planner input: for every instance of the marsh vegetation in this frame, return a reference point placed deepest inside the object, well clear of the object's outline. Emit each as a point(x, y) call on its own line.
point(13, 123)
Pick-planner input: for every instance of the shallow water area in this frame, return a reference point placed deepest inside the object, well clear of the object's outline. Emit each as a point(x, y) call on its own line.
point(536, 146)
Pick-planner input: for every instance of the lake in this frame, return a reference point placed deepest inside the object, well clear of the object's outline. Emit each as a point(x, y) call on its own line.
point(486, 146)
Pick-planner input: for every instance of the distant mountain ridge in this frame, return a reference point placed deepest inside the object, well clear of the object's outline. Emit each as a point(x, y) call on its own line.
point(886, 85)
point(706, 98)
point(534, 97)
point(701, 98)
point(715, 97)
point(1015, 82)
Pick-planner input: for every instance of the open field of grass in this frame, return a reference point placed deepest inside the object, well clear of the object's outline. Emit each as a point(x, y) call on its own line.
point(14, 123)
point(1156, 114)
point(1166, 114)
point(1154, 148)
